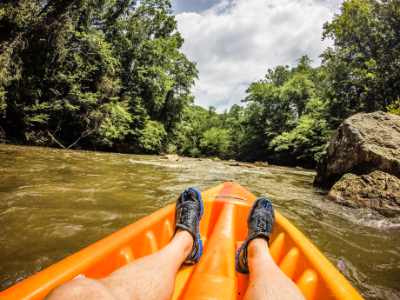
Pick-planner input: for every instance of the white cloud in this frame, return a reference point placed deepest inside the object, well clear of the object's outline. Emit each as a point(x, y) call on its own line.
point(235, 42)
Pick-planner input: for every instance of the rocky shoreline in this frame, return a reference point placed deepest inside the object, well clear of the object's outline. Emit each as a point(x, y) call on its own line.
point(362, 163)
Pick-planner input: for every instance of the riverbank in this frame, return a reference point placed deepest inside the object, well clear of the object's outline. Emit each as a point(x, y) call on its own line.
point(168, 156)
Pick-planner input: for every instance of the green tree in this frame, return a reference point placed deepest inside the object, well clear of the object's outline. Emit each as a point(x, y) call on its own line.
point(362, 67)
point(282, 116)
point(306, 142)
point(215, 142)
point(152, 136)
point(116, 124)
point(154, 72)
point(92, 73)
point(196, 121)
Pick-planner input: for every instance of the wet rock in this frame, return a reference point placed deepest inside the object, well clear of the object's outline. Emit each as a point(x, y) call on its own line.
point(171, 157)
point(362, 143)
point(377, 190)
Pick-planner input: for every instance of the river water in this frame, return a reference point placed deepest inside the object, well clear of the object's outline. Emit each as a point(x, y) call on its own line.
point(54, 202)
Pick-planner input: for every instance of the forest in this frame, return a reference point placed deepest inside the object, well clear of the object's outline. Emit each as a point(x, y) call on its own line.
point(110, 75)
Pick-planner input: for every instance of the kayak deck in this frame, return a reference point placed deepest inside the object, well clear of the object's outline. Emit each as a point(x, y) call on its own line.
point(223, 228)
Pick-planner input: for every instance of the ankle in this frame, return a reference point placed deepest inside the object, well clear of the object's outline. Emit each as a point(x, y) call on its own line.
point(257, 248)
point(185, 239)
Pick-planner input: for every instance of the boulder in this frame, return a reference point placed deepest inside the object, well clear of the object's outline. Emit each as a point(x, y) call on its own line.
point(377, 190)
point(362, 143)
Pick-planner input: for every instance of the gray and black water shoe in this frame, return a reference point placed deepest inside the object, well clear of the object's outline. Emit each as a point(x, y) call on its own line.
point(259, 222)
point(189, 210)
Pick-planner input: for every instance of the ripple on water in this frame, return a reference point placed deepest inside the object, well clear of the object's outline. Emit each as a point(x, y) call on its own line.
point(53, 203)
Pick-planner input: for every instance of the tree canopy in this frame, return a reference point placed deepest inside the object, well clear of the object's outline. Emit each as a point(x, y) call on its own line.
point(98, 73)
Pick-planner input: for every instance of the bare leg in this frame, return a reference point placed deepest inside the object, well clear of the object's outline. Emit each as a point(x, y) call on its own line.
point(266, 280)
point(150, 277)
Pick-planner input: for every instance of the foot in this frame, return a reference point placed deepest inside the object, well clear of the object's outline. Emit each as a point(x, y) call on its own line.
point(260, 221)
point(189, 210)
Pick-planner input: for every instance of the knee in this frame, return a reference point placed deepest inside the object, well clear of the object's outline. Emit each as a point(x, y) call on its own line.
point(80, 289)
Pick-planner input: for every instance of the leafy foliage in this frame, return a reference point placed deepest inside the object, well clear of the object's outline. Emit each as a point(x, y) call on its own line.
point(306, 142)
point(92, 73)
point(363, 67)
point(284, 117)
point(152, 136)
point(215, 142)
point(109, 74)
point(394, 108)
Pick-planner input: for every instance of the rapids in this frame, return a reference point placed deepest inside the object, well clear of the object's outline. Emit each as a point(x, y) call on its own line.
point(54, 202)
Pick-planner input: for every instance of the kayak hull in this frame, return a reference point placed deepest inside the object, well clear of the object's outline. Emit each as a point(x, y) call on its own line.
point(223, 229)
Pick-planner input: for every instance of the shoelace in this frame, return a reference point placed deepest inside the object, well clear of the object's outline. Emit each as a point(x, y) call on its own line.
point(185, 215)
point(261, 223)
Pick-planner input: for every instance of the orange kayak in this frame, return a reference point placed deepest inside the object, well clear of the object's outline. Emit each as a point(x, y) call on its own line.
point(223, 228)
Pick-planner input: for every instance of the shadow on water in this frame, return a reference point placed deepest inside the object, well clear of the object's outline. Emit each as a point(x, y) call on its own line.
point(53, 203)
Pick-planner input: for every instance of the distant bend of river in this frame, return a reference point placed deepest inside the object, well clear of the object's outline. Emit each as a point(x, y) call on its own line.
point(55, 202)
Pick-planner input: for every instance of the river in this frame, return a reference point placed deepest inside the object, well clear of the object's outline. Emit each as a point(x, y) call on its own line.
point(54, 202)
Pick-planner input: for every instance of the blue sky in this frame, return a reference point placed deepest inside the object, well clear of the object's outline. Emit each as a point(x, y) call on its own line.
point(234, 42)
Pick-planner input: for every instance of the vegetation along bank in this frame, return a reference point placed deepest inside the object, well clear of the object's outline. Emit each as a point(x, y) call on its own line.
point(109, 75)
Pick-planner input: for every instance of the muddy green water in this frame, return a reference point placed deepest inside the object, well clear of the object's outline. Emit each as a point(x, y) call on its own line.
point(53, 203)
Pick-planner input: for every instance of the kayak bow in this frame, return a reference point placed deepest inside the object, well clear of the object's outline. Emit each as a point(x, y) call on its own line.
point(223, 228)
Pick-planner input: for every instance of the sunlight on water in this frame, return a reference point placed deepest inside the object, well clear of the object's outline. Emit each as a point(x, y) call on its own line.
point(53, 203)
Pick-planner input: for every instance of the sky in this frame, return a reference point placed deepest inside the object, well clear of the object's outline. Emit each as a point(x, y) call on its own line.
point(235, 42)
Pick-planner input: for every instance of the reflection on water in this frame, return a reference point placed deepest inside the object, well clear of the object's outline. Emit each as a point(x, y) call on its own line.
point(53, 203)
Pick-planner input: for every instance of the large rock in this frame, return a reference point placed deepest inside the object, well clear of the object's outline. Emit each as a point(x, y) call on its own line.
point(377, 190)
point(361, 144)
